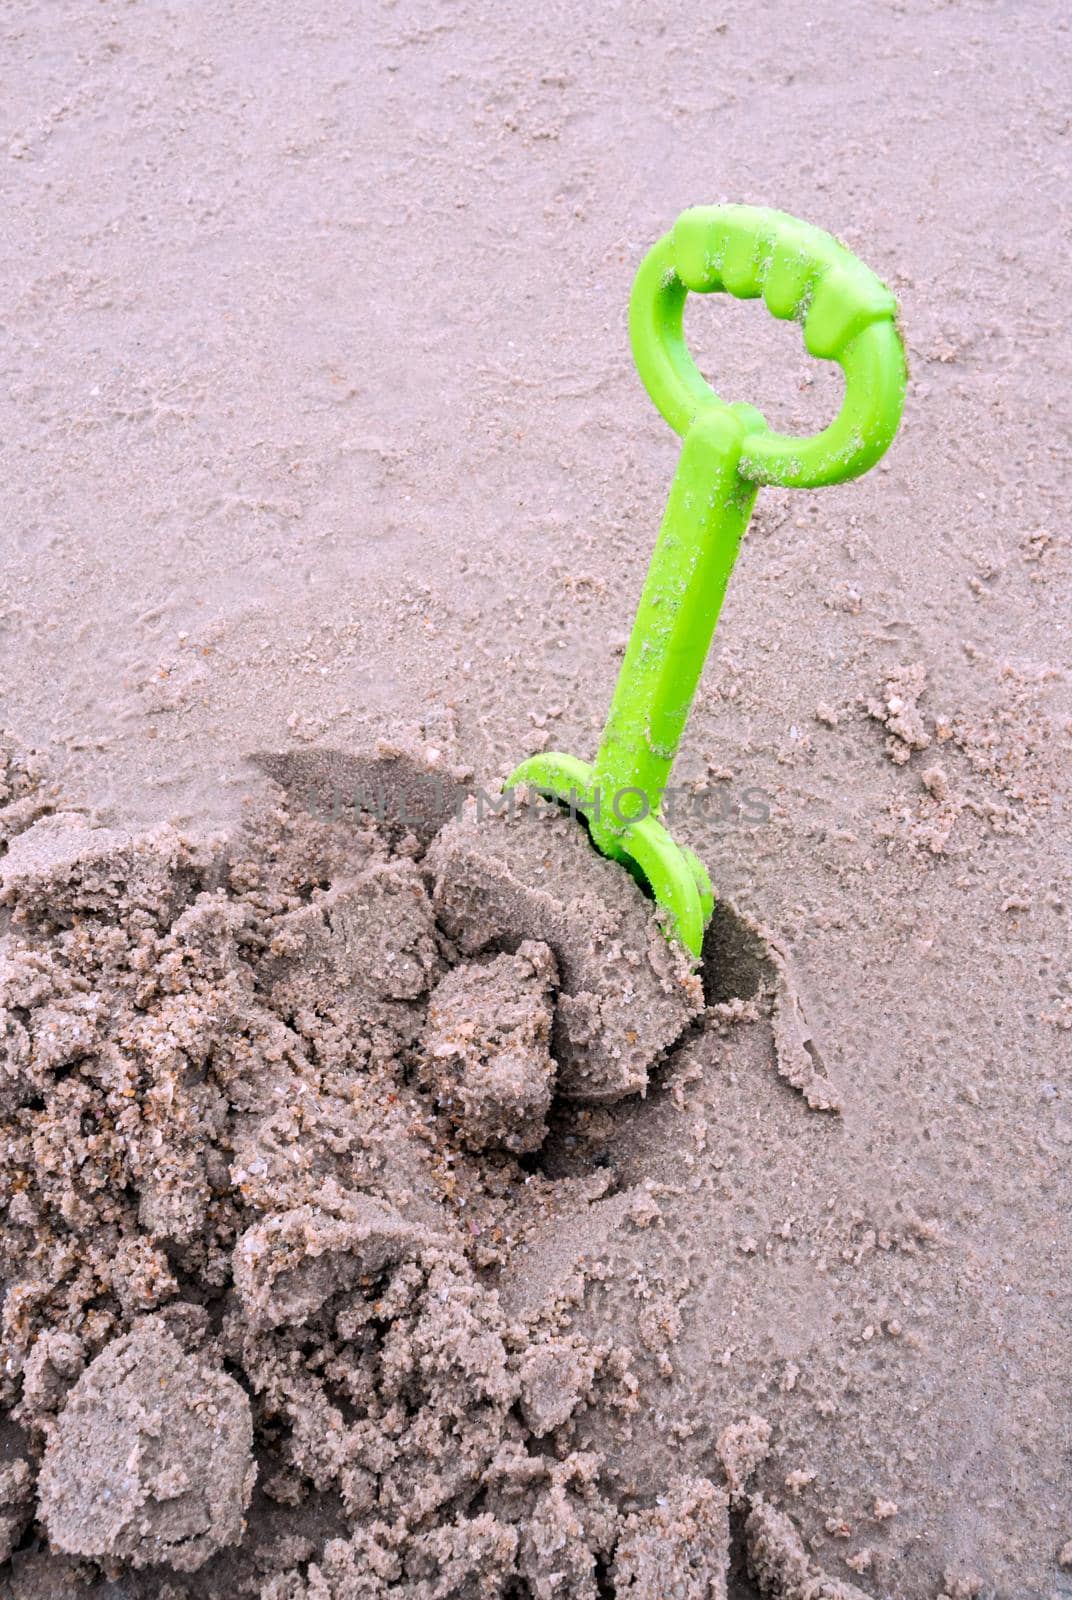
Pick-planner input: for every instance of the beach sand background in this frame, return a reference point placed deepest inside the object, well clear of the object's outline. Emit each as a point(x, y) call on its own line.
point(320, 425)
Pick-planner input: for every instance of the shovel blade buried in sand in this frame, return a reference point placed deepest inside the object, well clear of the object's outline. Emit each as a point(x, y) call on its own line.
point(728, 452)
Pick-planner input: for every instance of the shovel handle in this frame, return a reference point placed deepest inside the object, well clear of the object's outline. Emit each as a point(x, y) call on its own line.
point(803, 274)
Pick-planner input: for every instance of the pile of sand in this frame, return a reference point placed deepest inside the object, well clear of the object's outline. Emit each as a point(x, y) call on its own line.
point(276, 1170)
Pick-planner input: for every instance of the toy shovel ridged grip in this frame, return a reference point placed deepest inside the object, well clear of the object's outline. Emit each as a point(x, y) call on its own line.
point(803, 274)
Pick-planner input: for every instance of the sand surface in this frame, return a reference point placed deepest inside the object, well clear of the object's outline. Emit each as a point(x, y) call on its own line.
point(320, 427)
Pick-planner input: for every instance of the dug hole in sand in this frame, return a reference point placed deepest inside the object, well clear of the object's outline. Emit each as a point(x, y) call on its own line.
point(391, 1212)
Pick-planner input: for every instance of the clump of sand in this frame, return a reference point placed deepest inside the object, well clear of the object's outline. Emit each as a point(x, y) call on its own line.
point(150, 1459)
point(626, 993)
point(488, 1048)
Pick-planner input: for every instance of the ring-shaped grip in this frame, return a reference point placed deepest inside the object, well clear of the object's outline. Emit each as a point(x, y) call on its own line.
point(847, 315)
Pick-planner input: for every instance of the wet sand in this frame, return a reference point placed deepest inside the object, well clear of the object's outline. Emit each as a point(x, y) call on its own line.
point(321, 428)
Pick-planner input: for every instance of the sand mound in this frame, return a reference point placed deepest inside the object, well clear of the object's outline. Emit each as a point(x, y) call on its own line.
point(276, 1146)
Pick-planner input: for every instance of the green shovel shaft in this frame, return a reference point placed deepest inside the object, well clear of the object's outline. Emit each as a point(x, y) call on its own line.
point(706, 516)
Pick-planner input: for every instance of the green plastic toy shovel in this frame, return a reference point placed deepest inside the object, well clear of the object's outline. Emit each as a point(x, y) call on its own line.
point(848, 316)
